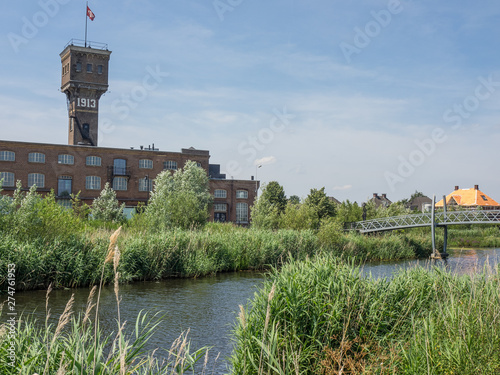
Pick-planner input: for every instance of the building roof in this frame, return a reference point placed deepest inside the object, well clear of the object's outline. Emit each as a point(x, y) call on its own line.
point(472, 197)
point(381, 200)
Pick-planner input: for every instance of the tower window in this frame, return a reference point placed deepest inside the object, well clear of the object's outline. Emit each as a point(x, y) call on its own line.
point(89, 68)
point(78, 67)
point(99, 69)
point(36, 157)
point(220, 207)
point(37, 179)
point(85, 130)
point(8, 179)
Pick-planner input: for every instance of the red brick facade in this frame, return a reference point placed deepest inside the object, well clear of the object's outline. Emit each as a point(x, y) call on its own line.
point(54, 170)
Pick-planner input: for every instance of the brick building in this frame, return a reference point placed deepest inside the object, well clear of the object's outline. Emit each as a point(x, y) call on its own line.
point(82, 166)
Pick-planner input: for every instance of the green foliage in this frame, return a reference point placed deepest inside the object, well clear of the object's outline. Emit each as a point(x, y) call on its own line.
point(348, 212)
point(180, 200)
point(29, 216)
point(323, 206)
point(106, 207)
point(266, 212)
point(330, 232)
point(294, 199)
point(323, 316)
point(299, 217)
point(274, 194)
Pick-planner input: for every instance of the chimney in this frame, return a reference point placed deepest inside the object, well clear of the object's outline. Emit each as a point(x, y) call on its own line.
point(251, 178)
point(384, 196)
point(375, 195)
point(476, 187)
point(456, 187)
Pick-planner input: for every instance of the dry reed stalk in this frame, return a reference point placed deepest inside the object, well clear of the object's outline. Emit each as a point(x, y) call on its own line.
point(62, 366)
point(242, 317)
point(90, 306)
point(266, 324)
point(63, 321)
point(110, 256)
point(47, 311)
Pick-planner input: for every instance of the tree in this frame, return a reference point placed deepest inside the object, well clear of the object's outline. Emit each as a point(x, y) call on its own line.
point(269, 207)
point(274, 194)
point(181, 199)
point(106, 207)
point(348, 212)
point(294, 199)
point(323, 206)
point(298, 217)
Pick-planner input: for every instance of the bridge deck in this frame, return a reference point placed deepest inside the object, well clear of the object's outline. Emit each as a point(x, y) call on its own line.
point(425, 220)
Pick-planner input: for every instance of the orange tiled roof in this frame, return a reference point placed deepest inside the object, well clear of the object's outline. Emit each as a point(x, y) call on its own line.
point(470, 198)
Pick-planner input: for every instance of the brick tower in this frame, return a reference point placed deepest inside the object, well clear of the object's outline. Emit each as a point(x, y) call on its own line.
point(84, 79)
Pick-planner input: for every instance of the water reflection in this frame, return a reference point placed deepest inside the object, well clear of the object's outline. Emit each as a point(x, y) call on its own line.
point(460, 261)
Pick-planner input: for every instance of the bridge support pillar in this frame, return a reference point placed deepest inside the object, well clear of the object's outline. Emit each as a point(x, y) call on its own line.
point(435, 253)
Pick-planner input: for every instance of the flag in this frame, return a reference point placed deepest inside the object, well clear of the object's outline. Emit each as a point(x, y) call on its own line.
point(90, 14)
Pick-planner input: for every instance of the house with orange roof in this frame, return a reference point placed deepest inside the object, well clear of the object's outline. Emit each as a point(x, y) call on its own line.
point(470, 199)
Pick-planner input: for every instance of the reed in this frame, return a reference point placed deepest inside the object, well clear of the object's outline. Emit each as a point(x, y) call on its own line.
point(326, 317)
point(80, 260)
point(76, 345)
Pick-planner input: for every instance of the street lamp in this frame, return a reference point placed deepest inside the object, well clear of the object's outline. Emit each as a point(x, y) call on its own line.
point(256, 180)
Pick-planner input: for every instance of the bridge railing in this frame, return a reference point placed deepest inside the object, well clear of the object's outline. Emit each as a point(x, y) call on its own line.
point(425, 219)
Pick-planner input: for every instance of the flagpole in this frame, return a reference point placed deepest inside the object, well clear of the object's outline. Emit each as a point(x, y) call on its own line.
point(86, 20)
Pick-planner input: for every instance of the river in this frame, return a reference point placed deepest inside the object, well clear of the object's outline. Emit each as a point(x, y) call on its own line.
point(209, 306)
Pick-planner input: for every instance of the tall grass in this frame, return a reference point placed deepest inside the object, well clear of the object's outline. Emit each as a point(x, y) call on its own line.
point(323, 316)
point(78, 260)
point(77, 345)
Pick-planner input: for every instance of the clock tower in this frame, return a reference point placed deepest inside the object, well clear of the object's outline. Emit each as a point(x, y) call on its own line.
point(84, 79)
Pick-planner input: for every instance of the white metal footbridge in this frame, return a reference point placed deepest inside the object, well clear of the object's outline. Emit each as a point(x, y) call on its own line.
point(425, 220)
point(433, 219)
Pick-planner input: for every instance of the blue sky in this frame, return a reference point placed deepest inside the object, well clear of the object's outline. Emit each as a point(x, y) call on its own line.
point(360, 97)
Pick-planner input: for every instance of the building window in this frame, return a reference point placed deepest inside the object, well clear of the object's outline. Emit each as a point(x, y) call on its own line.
point(219, 193)
point(146, 164)
point(99, 69)
point(198, 164)
point(241, 213)
point(37, 179)
point(145, 184)
point(78, 67)
point(93, 183)
point(7, 156)
point(66, 159)
point(66, 203)
point(93, 161)
point(172, 165)
point(89, 68)
point(242, 194)
point(36, 157)
point(484, 197)
point(64, 185)
point(120, 183)
point(220, 207)
point(8, 179)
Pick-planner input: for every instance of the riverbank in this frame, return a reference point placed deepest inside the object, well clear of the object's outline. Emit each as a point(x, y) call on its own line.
point(77, 260)
point(322, 317)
